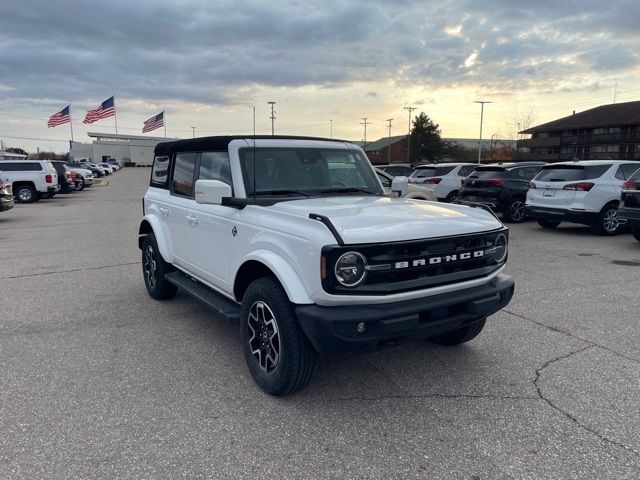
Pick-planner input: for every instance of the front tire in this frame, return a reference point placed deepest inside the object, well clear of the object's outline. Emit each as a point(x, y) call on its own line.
point(154, 269)
point(278, 354)
point(608, 222)
point(548, 223)
point(514, 212)
point(453, 197)
point(461, 335)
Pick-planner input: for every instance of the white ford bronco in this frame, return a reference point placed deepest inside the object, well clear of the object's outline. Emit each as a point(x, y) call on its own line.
point(295, 238)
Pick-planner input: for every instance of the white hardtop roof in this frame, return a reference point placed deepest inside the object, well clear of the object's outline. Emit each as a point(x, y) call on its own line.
point(593, 162)
point(449, 164)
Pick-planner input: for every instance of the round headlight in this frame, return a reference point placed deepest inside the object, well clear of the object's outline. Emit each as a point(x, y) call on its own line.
point(500, 246)
point(349, 269)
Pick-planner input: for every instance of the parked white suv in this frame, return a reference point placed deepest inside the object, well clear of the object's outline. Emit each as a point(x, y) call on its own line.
point(30, 179)
point(416, 191)
point(586, 192)
point(443, 178)
point(271, 232)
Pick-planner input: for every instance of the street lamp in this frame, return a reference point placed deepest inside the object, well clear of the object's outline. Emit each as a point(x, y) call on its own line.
point(272, 117)
point(481, 102)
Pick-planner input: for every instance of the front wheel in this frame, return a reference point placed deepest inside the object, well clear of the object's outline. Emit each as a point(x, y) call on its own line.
point(514, 212)
point(154, 269)
point(453, 197)
point(26, 194)
point(461, 335)
point(608, 222)
point(278, 355)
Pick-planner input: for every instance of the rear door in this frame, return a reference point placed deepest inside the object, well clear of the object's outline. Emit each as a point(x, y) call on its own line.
point(484, 184)
point(631, 191)
point(180, 202)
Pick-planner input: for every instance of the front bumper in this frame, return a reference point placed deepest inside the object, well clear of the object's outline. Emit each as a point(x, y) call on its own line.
point(561, 215)
point(629, 214)
point(333, 329)
point(6, 202)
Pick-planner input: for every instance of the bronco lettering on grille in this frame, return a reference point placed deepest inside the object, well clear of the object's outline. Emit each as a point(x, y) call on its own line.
point(456, 257)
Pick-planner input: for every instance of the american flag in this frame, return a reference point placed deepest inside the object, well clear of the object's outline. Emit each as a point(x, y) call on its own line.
point(63, 116)
point(104, 110)
point(154, 122)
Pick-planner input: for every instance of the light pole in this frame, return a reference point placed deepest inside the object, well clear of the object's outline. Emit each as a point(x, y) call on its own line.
point(272, 117)
point(409, 109)
point(330, 128)
point(365, 121)
point(389, 141)
point(481, 102)
point(193, 129)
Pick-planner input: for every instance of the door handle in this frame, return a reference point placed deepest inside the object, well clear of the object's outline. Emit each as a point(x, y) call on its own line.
point(164, 211)
point(192, 220)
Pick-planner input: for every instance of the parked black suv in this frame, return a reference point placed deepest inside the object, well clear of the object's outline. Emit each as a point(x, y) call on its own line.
point(64, 176)
point(502, 187)
point(629, 207)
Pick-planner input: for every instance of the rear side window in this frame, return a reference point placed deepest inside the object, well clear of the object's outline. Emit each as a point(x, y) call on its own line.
point(215, 166)
point(625, 171)
point(160, 172)
point(183, 169)
point(488, 173)
point(398, 170)
point(569, 173)
point(21, 166)
point(635, 177)
point(466, 170)
point(431, 172)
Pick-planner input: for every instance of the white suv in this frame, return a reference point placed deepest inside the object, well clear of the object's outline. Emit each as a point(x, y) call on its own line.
point(443, 178)
point(30, 179)
point(271, 231)
point(586, 192)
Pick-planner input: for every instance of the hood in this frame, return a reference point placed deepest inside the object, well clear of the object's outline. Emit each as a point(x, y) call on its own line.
point(381, 219)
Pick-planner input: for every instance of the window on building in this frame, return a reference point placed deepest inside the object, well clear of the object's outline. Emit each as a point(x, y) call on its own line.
point(184, 166)
point(613, 148)
point(599, 131)
point(543, 134)
point(597, 149)
point(614, 129)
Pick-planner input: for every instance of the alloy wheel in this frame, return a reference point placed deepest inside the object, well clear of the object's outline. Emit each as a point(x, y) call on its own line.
point(610, 221)
point(264, 336)
point(517, 211)
point(24, 194)
point(150, 266)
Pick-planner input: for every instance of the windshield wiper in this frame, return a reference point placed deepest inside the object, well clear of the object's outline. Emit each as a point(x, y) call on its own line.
point(347, 190)
point(279, 192)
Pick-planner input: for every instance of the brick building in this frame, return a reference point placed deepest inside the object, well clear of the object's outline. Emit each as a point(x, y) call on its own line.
point(605, 132)
point(387, 150)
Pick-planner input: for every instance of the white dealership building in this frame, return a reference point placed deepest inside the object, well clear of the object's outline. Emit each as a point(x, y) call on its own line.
point(134, 149)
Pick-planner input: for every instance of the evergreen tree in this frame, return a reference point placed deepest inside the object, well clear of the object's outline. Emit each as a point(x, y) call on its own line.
point(426, 143)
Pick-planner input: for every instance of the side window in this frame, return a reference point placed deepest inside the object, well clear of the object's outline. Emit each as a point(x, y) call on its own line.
point(215, 166)
point(628, 170)
point(160, 172)
point(183, 169)
point(466, 170)
point(531, 172)
point(619, 173)
point(519, 173)
point(386, 183)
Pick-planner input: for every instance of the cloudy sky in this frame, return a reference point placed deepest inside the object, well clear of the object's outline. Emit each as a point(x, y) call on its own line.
point(209, 62)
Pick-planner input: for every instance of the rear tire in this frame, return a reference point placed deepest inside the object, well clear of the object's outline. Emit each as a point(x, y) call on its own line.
point(26, 194)
point(514, 211)
point(548, 223)
point(278, 354)
point(607, 222)
point(453, 197)
point(154, 268)
point(462, 335)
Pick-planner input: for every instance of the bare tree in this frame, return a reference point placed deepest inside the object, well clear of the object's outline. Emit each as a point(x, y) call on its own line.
point(520, 120)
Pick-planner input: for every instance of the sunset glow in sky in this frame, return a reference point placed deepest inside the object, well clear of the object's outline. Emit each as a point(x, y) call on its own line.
point(208, 63)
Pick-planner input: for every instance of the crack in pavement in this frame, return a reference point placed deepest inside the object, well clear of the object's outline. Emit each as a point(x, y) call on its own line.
point(69, 271)
point(567, 414)
point(437, 395)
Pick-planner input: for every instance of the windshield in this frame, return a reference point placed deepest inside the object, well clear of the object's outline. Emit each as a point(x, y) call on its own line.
point(307, 171)
point(569, 173)
point(431, 172)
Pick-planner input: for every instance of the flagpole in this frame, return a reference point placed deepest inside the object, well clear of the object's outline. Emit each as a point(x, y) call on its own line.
point(71, 122)
point(164, 120)
point(115, 113)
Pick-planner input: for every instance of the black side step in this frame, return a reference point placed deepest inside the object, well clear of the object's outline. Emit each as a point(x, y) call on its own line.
point(224, 306)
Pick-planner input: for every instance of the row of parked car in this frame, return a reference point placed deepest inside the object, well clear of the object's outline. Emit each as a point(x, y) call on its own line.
point(26, 181)
point(600, 193)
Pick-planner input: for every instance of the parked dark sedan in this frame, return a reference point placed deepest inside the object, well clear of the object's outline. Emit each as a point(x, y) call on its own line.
point(629, 207)
point(65, 180)
point(502, 187)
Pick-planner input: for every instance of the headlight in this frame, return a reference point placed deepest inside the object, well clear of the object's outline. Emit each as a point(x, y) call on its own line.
point(501, 248)
point(350, 269)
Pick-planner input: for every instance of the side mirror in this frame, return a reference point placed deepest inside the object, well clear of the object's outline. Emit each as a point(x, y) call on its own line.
point(399, 186)
point(211, 192)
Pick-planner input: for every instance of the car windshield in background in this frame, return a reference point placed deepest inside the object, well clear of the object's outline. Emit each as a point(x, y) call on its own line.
point(569, 173)
point(431, 172)
point(307, 171)
point(487, 172)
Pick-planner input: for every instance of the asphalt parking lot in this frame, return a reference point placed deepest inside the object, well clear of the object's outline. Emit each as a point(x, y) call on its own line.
point(97, 380)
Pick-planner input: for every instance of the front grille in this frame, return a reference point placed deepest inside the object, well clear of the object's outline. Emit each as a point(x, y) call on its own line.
point(404, 266)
